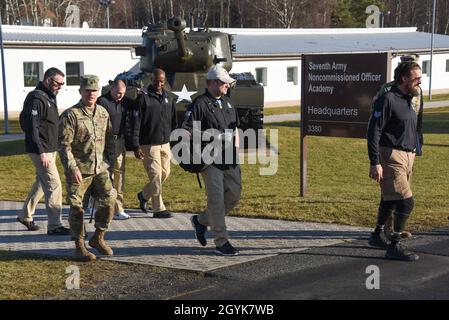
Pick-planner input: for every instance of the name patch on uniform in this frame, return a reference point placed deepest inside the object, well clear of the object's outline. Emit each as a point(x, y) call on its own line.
point(377, 114)
point(34, 112)
point(166, 100)
point(229, 106)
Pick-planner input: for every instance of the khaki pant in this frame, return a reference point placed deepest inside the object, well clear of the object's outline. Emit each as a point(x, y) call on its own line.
point(118, 175)
point(47, 184)
point(223, 190)
point(157, 165)
point(397, 168)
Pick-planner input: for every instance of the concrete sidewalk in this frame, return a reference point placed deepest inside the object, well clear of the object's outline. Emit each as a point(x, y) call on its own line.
point(171, 243)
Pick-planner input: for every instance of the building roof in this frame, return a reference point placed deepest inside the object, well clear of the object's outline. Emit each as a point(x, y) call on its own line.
point(249, 42)
point(54, 36)
point(312, 42)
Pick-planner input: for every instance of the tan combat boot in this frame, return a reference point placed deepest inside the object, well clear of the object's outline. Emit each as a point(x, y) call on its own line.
point(97, 241)
point(81, 253)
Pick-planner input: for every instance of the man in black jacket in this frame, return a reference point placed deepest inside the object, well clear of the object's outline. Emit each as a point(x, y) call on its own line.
point(392, 145)
point(118, 105)
point(41, 121)
point(212, 114)
point(156, 120)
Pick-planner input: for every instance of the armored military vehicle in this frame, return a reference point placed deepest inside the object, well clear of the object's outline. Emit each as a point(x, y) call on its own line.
point(186, 56)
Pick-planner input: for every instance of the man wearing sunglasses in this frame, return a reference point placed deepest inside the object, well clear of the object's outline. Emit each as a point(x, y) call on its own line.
point(40, 119)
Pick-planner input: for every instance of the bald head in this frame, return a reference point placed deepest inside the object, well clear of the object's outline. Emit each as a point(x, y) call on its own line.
point(118, 90)
point(158, 72)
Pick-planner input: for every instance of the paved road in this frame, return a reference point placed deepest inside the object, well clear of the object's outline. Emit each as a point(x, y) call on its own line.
point(337, 272)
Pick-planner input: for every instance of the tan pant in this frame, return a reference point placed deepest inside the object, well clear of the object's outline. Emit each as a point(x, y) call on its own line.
point(118, 175)
point(47, 184)
point(157, 165)
point(223, 190)
point(397, 168)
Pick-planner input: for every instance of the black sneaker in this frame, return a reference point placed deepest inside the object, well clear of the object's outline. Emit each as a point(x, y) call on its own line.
point(142, 202)
point(397, 252)
point(162, 214)
point(31, 225)
point(227, 250)
point(200, 230)
point(378, 240)
point(59, 231)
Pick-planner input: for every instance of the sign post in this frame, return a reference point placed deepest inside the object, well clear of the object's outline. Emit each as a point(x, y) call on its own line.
point(337, 91)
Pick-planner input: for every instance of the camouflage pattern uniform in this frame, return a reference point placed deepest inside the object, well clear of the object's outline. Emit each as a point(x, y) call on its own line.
point(86, 144)
point(418, 105)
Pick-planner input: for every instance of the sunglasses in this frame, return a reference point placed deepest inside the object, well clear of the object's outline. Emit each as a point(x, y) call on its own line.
point(60, 84)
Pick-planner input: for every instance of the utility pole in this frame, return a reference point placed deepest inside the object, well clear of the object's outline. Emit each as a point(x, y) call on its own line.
point(5, 99)
point(107, 3)
point(431, 48)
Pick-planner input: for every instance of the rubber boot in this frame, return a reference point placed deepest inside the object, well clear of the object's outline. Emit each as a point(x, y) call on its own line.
point(97, 242)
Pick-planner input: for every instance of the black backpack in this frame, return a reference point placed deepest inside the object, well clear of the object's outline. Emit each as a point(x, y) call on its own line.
point(26, 111)
point(190, 166)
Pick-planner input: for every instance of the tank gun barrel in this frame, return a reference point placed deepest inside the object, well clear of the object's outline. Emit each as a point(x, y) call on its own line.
point(178, 25)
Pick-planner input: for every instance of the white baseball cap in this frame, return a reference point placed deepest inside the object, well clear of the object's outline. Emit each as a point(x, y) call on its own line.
point(218, 72)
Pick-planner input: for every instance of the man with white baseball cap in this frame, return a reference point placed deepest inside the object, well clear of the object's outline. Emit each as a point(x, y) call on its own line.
point(218, 72)
point(214, 110)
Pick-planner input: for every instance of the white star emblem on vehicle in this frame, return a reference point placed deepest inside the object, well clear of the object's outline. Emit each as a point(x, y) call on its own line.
point(184, 94)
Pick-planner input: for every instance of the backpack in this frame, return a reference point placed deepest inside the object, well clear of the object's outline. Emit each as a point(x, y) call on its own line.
point(24, 115)
point(190, 166)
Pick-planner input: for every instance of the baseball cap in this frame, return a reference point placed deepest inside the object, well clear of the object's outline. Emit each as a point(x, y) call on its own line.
point(218, 72)
point(89, 82)
point(413, 57)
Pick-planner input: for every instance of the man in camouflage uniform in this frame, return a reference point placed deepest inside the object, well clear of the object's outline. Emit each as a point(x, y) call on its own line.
point(86, 151)
point(418, 105)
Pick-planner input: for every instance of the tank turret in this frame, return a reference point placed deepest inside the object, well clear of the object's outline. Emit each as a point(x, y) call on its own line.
point(186, 56)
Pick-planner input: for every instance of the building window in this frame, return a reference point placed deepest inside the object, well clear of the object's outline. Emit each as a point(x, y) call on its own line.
point(292, 75)
point(32, 73)
point(447, 65)
point(261, 76)
point(426, 67)
point(73, 70)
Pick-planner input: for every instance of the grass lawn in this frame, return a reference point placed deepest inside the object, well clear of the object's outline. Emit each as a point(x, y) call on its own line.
point(13, 126)
point(281, 110)
point(28, 276)
point(437, 97)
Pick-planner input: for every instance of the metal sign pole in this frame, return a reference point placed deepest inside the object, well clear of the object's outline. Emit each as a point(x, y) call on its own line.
point(303, 138)
point(5, 99)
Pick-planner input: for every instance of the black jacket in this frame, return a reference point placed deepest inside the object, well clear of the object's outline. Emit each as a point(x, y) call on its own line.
point(214, 114)
point(117, 112)
point(156, 119)
point(393, 124)
point(41, 120)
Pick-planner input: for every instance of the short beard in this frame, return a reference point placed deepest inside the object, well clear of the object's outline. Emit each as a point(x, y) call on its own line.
point(413, 90)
